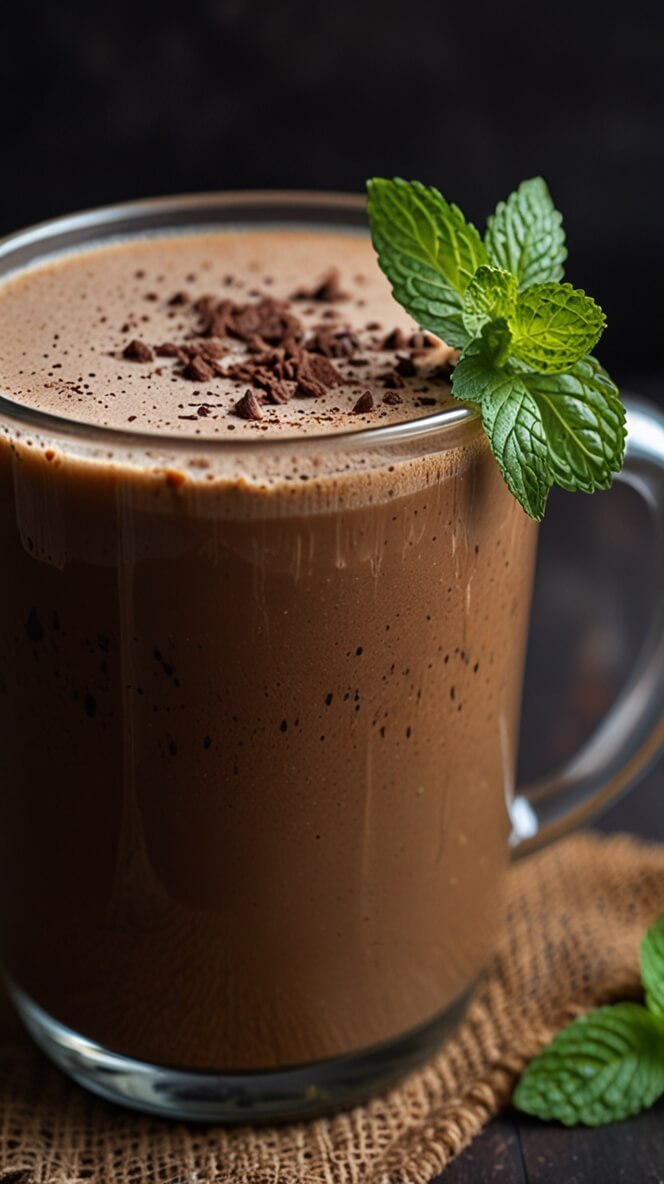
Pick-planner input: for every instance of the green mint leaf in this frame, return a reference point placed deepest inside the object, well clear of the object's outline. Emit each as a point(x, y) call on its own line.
point(525, 235)
point(550, 412)
point(584, 425)
point(490, 295)
point(554, 325)
point(495, 340)
point(428, 252)
point(510, 418)
point(652, 967)
point(604, 1067)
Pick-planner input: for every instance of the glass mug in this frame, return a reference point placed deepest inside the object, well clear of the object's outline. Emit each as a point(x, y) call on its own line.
point(258, 726)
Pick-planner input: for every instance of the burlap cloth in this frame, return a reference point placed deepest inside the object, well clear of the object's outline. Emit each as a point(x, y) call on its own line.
point(576, 915)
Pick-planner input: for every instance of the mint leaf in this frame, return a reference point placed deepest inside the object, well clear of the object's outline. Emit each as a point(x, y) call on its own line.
point(525, 235)
point(652, 967)
point(510, 418)
point(553, 326)
point(491, 294)
point(584, 425)
point(428, 252)
point(603, 1068)
point(550, 412)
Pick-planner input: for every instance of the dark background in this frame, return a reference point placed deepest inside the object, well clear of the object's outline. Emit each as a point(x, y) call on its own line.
point(104, 102)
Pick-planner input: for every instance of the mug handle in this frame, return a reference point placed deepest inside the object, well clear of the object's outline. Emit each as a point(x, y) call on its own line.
point(631, 734)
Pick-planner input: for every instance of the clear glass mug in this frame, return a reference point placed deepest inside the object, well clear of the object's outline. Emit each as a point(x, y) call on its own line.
point(258, 716)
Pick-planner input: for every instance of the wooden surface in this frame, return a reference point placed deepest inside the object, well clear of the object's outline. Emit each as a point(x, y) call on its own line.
point(595, 588)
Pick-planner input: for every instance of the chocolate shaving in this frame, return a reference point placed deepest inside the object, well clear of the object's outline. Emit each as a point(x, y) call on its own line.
point(198, 370)
point(393, 380)
point(179, 298)
point(392, 398)
point(205, 305)
point(328, 290)
point(168, 349)
point(277, 391)
point(405, 366)
point(248, 406)
point(364, 403)
point(260, 324)
point(138, 351)
point(333, 343)
point(315, 374)
point(210, 350)
point(394, 340)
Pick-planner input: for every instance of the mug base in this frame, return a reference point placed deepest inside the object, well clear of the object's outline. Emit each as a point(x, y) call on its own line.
point(253, 1096)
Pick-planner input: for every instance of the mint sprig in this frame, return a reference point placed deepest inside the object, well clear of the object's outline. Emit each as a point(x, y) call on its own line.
point(427, 249)
point(608, 1065)
point(551, 414)
point(526, 236)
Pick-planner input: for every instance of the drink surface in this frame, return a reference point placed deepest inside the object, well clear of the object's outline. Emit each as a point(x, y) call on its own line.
point(209, 312)
point(256, 747)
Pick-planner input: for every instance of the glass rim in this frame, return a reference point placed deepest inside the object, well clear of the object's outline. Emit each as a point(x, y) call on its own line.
point(140, 213)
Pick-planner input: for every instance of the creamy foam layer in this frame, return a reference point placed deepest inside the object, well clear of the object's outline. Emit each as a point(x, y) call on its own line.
point(66, 324)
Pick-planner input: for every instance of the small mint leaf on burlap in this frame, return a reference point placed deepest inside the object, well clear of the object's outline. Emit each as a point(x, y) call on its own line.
point(605, 1067)
point(652, 967)
point(526, 236)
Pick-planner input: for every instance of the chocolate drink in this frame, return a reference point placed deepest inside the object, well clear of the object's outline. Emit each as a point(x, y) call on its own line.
point(258, 703)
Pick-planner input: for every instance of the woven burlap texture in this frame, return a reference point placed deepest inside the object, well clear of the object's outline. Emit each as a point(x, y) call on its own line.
point(575, 918)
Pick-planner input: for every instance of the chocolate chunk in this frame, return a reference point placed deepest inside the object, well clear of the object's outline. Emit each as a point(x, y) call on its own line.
point(364, 403)
point(138, 351)
point(392, 398)
point(217, 324)
point(426, 401)
point(405, 366)
point(315, 374)
point(277, 391)
point(168, 349)
point(394, 340)
point(209, 350)
point(248, 406)
point(267, 319)
point(393, 380)
point(179, 298)
point(333, 343)
point(328, 290)
point(198, 370)
point(206, 305)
